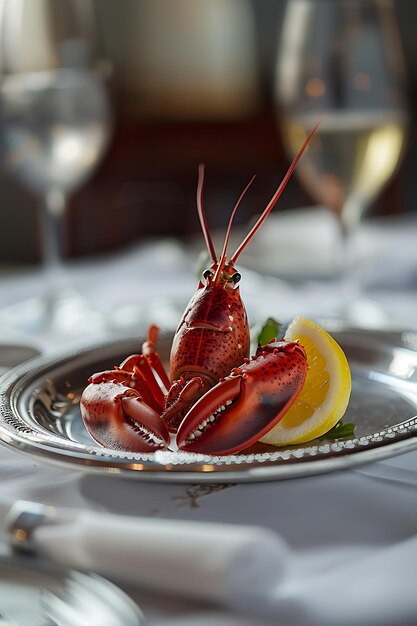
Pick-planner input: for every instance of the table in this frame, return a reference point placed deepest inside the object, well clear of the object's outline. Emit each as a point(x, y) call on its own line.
point(350, 536)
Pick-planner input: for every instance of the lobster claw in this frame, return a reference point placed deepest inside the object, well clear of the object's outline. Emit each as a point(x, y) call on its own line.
point(243, 407)
point(117, 417)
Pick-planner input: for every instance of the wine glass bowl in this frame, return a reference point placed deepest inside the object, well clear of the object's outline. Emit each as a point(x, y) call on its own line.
point(55, 126)
point(341, 63)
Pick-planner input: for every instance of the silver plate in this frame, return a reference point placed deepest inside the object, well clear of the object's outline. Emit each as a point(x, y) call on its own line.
point(14, 354)
point(40, 415)
point(34, 592)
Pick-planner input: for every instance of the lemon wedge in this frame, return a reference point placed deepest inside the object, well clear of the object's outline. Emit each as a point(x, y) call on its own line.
point(325, 395)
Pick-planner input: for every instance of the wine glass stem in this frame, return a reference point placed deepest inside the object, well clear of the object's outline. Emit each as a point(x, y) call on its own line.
point(52, 215)
point(349, 277)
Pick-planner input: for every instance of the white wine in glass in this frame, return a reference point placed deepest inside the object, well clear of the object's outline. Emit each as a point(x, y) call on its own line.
point(340, 63)
point(352, 157)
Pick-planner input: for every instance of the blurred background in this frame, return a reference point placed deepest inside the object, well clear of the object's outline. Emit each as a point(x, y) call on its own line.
point(190, 81)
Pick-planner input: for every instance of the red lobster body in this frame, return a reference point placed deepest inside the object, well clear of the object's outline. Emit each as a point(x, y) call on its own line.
point(246, 404)
point(216, 400)
point(213, 335)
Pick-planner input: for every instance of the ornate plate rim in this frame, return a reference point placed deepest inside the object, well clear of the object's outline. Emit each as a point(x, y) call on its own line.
point(167, 466)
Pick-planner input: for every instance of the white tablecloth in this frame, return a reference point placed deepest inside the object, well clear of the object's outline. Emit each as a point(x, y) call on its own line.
point(351, 535)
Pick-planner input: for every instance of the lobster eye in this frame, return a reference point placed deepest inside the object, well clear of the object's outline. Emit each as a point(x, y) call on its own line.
point(207, 274)
point(233, 280)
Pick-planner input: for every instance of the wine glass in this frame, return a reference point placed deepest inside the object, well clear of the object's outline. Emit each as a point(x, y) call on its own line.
point(55, 124)
point(340, 63)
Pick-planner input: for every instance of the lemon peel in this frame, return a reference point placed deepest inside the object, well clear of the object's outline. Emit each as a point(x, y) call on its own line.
point(325, 395)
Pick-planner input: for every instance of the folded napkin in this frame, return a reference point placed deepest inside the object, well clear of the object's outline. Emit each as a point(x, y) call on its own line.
point(306, 243)
point(247, 569)
point(206, 561)
point(370, 586)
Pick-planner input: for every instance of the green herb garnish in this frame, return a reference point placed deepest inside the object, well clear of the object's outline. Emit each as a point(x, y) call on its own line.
point(270, 330)
point(340, 431)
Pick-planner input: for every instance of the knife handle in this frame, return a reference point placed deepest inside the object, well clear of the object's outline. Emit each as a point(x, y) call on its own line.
point(23, 519)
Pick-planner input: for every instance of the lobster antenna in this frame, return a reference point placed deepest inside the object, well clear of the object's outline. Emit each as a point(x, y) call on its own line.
point(274, 198)
point(229, 229)
point(202, 214)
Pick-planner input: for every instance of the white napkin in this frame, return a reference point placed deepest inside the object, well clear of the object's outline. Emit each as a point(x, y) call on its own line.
point(246, 568)
point(367, 579)
point(367, 586)
point(352, 548)
point(306, 243)
point(302, 243)
point(206, 561)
